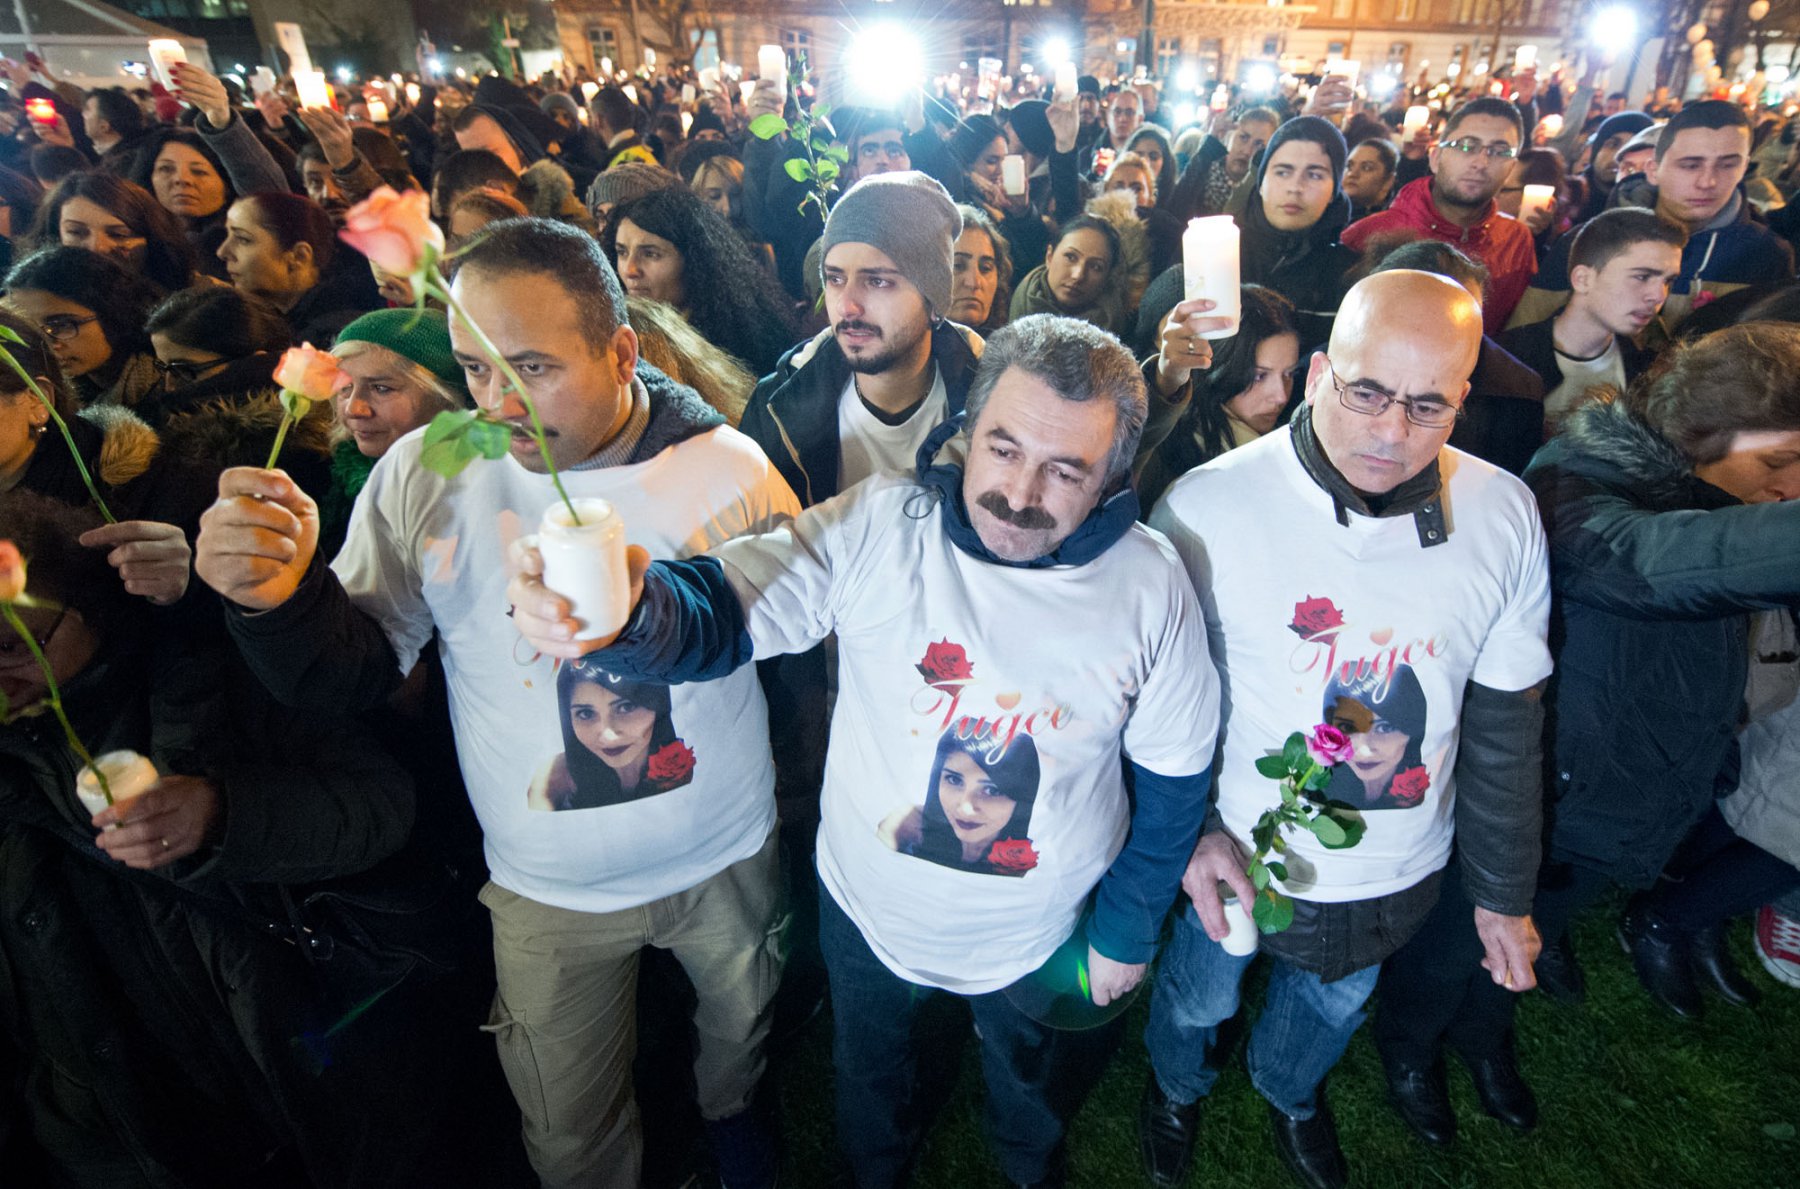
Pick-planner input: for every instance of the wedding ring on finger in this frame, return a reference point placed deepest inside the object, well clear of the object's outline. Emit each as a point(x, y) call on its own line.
point(165, 843)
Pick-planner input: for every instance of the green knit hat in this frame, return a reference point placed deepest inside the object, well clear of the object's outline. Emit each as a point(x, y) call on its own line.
point(421, 336)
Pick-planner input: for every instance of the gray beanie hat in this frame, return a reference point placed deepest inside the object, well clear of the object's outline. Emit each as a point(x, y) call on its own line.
point(909, 217)
point(626, 181)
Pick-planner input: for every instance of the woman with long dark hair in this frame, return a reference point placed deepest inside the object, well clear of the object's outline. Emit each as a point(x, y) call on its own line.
point(284, 249)
point(619, 742)
point(120, 220)
point(92, 311)
point(977, 810)
point(981, 276)
point(1384, 715)
point(671, 246)
point(20, 195)
point(1241, 397)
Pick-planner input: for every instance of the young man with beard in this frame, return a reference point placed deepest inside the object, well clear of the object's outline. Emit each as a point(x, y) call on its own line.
point(683, 857)
point(1695, 179)
point(1620, 269)
point(1456, 203)
point(1007, 634)
point(1414, 618)
point(1602, 172)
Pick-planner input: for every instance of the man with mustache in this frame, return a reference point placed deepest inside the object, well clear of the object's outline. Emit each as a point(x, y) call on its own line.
point(1620, 267)
point(1393, 548)
point(1013, 590)
point(575, 896)
point(1456, 204)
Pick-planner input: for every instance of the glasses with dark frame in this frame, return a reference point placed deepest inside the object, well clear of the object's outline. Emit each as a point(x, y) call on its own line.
point(60, 328)
point(1426, 412)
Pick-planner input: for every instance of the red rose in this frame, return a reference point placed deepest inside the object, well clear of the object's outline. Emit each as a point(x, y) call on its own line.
point(1012, 854)
point(1409, 786)
point(945, 662)
point(671, 765)
point(1314, 616)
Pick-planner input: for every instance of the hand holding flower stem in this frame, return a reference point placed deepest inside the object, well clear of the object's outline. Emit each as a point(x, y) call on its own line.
point(12, 336)
point(395, 232)
point(12, 597)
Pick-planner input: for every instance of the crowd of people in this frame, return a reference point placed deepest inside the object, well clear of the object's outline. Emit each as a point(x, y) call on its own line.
point(972, 562)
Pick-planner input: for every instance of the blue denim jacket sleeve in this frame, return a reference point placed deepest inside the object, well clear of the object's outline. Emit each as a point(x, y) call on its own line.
point(1136, 891)
point(688, 626)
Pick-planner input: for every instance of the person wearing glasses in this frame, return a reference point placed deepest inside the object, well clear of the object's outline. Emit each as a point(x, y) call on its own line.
point(1410, 573)
point(1456, 204)
point(92, 311)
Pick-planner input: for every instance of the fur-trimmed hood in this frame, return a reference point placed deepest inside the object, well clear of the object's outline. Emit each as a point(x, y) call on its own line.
point(127, 445)
point(548, 192)
point(240, 432)
point(1605, 439)
point(1132, 277)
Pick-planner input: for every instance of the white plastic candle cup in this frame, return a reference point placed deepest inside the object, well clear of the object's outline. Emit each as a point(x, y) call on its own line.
point(1012, 174)
point(1536, 198)
point(310, 89)
point(1416, 118)
point(771, 62)
point(606, 67)
point(745, 88)
point(412, 94)
point(1244, 937)
point(128, 775)
point(262, 81)
point(1209, 260)
point(688, 94)
point(378, 111)
point(1552, 125)
point(630, 92)
point(588, 91)
point(585, 564)
point(1524, 58)
point(1067, 82)
point(165, 52)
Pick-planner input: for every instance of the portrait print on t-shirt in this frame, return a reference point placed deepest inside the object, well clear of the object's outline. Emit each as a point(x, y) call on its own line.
point(976, 813)
point(619, 742)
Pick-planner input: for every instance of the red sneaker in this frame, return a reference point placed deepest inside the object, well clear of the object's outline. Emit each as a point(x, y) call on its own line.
point(1778, 944)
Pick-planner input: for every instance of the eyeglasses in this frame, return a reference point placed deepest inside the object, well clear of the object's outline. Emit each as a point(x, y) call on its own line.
point(1426, 412)
point(60, 328)
point(13, 652)
point(183, 372)
point(1470, 145)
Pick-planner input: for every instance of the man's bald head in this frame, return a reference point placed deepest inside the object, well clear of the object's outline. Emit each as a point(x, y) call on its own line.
point(1404, 334)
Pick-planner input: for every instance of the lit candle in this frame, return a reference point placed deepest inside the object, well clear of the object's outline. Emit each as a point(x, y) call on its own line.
point(630, 92)
point(745, 88)
point(771, 62)
point(606, 67)
point(687, 122)
point(687, 94)
point(588, 91)
point(1525, 58)
point(309, 86)
point(412, 94)
point(1552, 125)
point(165, 52)
point(1416, 118)
point(378, 112)
point(1067, 81)
point(649, 58)
point(1536, 198)
point(1209, 264)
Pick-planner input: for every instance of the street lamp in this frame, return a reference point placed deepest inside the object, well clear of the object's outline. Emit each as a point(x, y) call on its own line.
point(1613, 30)
point(883, 64)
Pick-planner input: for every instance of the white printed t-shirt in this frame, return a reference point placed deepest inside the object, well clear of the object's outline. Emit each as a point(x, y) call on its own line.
point(547, 758)
point(1313, 621)
point(973, 795)
point(867, 445)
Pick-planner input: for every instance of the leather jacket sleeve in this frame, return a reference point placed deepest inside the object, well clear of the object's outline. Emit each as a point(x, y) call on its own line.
point(1499, 796)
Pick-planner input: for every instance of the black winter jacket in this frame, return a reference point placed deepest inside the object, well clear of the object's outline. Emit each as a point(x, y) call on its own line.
point(1653, 571)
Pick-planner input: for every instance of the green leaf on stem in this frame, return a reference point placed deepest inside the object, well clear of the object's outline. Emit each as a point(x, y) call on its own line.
point(821, 110)
point(1278, 870)
point(1329, 833)
point(1272, 912)
point(768, 126)
point(1318, 779)
point(828, 170)
point(1263, 832)
point(454, 439)
point(798, 168)
point(11, 335)
point(1293, 753)
point(1273, 767)
point(838, 153)
point(1288, 796)
point(297, 406)
point(819, 143)
point(1259, 874)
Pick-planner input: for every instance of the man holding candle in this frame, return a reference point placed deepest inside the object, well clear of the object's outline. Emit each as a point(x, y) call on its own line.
point(1423, 634)
point(690, 863)
point(950, 593)
point(1455, 204)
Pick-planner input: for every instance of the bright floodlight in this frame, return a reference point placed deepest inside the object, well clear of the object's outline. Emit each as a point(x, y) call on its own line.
point(1260, 79)
point(1381, 85)
point(884, 64)
point(1614, 29)
point(1187, 78)
point(1056, 52)
point(343, 73)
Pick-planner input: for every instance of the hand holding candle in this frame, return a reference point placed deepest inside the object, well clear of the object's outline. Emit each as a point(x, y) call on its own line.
point(1209, 260)
point(1536, 205)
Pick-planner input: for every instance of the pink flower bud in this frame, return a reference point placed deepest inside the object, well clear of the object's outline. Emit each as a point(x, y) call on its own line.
point(12, 572)
point(394, 231)
point(310, 372)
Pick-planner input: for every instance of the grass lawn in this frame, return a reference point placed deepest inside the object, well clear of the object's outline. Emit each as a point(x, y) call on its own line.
point(1628, 1097)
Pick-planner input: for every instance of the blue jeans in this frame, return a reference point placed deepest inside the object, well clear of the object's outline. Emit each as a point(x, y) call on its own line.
point(1303, 1030)
point(1036, 1077)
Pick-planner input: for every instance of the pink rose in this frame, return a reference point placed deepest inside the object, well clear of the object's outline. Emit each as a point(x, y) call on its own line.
point(310, 372)
point(394, 231)
point(1328, 745)
point(12, 572)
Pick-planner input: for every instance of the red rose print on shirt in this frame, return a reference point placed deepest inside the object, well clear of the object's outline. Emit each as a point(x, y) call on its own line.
point(671, 765)
point(1013, 854)
point(946, 665)
point(1409, 787)
point(1315, 616)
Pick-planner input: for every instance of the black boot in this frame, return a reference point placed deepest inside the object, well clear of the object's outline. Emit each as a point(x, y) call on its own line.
point(1714, 968)
point(1421, 1096)
point(1309, 1148)
point(1660, 955)
point(1166, 1132)
point(1559, 973)
point(1504, 1093)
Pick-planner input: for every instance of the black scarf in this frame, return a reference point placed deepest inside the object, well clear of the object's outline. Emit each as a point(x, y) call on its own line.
point(1417, 497)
